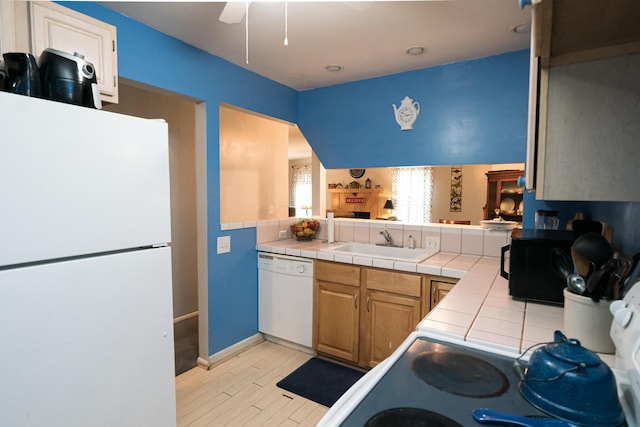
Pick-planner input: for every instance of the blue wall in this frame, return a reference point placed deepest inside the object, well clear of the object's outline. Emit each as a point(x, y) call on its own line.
point(471, 112)
point(623, 216)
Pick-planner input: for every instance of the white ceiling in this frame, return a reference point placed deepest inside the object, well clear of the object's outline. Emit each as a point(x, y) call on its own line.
point(368, 39)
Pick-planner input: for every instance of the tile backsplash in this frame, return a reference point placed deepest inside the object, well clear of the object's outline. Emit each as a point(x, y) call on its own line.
point(464, 239)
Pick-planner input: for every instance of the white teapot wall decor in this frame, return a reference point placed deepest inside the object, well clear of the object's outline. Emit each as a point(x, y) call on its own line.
point(407, 114)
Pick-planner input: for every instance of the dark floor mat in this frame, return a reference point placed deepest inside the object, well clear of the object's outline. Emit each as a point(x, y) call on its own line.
point(321, 381)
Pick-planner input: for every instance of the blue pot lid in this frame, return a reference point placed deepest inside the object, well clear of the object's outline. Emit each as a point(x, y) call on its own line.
point(571, 351)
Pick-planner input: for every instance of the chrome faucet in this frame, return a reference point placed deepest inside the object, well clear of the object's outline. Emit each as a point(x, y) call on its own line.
point(387, 237)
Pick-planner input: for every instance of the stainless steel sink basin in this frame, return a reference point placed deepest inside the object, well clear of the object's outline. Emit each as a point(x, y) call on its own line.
point(386, 252)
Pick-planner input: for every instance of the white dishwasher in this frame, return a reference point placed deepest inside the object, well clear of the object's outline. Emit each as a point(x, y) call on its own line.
point(285, 297)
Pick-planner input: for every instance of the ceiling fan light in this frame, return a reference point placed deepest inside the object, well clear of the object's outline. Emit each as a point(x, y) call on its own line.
point(233, 12)
point(415, 50)
point(333, 68)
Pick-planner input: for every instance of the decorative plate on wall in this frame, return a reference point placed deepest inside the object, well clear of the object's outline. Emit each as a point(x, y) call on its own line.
point(356, 173)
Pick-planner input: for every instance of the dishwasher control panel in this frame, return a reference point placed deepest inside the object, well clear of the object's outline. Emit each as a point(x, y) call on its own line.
point(285, 264)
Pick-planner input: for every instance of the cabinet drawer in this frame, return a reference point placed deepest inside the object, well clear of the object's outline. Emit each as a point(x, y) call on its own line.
point(337, 273)
point(391, 281)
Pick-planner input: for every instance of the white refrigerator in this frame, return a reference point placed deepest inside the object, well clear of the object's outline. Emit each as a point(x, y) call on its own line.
point(86, 322)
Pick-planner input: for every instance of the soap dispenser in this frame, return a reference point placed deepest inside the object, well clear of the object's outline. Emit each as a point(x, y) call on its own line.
point(412, 242)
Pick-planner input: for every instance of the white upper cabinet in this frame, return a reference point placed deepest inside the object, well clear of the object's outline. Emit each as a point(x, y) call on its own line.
point(55, 26)
point(570, 31)
point(589, 146)
point(584, 100)
point(7, 33)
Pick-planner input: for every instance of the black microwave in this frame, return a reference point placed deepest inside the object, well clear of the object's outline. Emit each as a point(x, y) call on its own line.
point(531, 274)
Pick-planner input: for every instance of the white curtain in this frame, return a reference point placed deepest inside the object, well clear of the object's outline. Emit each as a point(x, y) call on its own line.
point(301, 188)
point(412, 190)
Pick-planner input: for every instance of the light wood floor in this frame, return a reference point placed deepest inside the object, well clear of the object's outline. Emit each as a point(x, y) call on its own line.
point(242, 391)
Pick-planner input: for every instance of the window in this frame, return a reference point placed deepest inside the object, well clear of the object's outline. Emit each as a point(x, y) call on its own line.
point(412, 189)
point(301, 189)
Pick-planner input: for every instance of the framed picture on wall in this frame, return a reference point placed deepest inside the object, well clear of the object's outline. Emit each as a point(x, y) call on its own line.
point(455, 203)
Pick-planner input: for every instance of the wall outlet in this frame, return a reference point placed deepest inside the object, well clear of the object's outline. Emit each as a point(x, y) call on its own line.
point(282, 234)
point(224, 244)
point(433, 243)
point(271, 210)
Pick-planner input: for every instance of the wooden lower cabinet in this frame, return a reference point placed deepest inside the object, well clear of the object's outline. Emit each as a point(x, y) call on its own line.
point(439, 289)
point(336, 319)
point(391, 311)
point(362, 314)
point(389, 320)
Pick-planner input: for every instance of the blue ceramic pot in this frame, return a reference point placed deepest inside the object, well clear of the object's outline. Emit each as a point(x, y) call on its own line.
point(571, 382)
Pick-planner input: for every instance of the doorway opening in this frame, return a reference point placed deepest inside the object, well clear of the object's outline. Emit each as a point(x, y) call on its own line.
point(187, 164)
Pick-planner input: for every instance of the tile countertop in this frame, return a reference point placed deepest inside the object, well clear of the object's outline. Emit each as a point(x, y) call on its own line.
point(441, 264)
point(478, 310)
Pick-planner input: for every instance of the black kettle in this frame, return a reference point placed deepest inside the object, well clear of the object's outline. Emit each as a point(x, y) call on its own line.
point(22, 75)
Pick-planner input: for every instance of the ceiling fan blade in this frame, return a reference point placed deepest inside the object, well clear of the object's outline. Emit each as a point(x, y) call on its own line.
point(233, 12)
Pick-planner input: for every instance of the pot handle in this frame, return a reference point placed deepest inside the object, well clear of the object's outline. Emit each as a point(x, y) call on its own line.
point(558, 336)
point(488, 416)
point(503, 250)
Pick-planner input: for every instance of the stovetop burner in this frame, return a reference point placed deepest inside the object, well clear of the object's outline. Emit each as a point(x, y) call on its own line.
point(410, 417)
point(444, 379)
point(460, 374)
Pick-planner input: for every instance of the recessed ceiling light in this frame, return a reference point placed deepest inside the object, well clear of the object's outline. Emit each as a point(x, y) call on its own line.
point(415, 50)
point(524, 28)
point(333, 68)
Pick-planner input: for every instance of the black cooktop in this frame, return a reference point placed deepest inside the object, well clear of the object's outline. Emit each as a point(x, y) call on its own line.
point(439, 384)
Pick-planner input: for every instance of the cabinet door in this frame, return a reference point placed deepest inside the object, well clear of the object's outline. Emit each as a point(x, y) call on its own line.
point(587, 149)
point(7, 36)
point(336, 320)
point(534, 113)
point(57, 27)
point(390, 320)
point(561, 35)
point(439, 290)
point(583, 108)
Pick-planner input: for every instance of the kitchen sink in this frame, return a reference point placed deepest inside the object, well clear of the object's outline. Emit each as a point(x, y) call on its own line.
point(386, 252)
